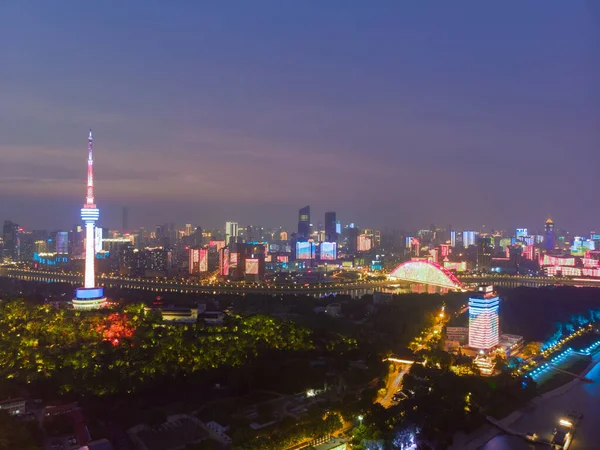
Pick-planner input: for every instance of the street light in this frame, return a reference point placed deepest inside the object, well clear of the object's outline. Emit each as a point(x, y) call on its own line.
point(360, 418)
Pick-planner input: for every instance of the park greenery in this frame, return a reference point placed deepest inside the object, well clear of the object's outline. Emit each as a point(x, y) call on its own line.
point(101, 353)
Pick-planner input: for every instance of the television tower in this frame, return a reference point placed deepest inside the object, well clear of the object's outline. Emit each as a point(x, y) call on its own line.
point(89, 296)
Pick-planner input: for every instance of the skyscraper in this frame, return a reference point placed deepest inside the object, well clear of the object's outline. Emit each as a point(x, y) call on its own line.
point(468, 238)
point(549, 238)
point(484, 253)
point(231, 232)
point(484, 324)
point(89, 296)
point(62, 242)
point(10, 234)
point(330, 227)
point(304, 223)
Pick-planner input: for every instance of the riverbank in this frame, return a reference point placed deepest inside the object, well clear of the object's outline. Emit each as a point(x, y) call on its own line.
point(486, 433)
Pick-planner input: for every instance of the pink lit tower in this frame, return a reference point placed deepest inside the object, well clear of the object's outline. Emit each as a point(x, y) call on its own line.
point(89, 296)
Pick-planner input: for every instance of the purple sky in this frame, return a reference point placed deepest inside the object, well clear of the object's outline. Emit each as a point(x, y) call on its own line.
point(394, 114)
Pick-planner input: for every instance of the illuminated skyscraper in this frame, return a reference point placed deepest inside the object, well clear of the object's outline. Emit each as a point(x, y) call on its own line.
point(62, 242)
point(231, 232)
point(304, 223)
point(89, 296)
point(549, 238)
point(484, 324)
point(468, 238)
point(521, 233)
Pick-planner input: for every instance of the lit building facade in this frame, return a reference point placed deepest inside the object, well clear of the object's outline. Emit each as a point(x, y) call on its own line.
point(328, 251)
point(484, 323)
point(89, 296)
point(468, 238)
point(231, 232)
point(549, 238)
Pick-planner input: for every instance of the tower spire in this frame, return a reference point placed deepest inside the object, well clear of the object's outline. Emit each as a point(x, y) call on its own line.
point(90, 175)
point(89, 296)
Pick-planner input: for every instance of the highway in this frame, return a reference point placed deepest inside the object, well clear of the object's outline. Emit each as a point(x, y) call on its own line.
point(542, 418)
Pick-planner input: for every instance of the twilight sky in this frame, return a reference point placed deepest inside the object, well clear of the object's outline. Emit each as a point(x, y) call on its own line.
point(392, 113)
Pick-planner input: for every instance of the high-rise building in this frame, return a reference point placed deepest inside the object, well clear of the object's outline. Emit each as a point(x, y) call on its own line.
point(484, 253)
point(89, 296)
point(231, 232)
point(549, 238)
point(484, 323)
point(10, 234)
point(99, 235)
point(330, 227)
point(62, 242)
point(468, 238)
point(521, 233)
point(452, 238)
point(304, 223)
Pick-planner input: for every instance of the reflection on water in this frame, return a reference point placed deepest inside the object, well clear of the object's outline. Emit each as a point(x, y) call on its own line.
point(505, 442)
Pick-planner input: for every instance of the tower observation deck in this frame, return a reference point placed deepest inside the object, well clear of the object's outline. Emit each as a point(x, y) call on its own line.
point(89, 296)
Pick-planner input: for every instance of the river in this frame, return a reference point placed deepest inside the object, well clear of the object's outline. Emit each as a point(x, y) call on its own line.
point(583, 397)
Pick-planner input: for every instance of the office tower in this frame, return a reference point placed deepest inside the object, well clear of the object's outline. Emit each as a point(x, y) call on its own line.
point(10, 234)
point(521, 233)
point(198, 237)
point(62, 242)
point(304, 223)
point(364, 242)
point(198, 262)
point(26, 245)
point(484, 254)
point(484, 324)
point(224, 262)
point(89, 296)
point(99, 235)
point(125, 224)
point(468, 238)
point(328, 251)
point(452, 238)
point(188, 229)
point(252, 261)
point(549, 238)
point(231, 232)
point(330, 227)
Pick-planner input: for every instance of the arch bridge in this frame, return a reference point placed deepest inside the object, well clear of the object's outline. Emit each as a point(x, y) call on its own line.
point(425, 272)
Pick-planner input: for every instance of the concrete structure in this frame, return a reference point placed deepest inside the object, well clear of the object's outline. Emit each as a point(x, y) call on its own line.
point(89, 296)
point(13, 406)
point(458, 334)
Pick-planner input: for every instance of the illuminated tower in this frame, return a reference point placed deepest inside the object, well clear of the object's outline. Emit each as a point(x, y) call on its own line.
point(549, 237)
point(89, 296)
point(484, 326)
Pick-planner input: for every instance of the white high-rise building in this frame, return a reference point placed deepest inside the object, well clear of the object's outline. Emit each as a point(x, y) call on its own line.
point(484, 323)
point(231, 232)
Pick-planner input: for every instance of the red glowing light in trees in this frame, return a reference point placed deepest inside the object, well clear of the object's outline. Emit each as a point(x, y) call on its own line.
point(115, 328)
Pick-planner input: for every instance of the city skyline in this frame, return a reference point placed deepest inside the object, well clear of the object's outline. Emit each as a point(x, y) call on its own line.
point(423, 115)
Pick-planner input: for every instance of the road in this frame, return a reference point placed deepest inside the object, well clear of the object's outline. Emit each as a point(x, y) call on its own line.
point(583, 397)
point(393, 384)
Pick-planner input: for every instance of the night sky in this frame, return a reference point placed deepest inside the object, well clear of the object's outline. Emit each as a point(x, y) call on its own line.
point(394, 113)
